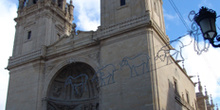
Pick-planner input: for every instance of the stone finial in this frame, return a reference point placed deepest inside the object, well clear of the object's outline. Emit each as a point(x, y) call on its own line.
point(71, 7)
point(216, 106)
point(183, 64)
point(199, 86)
point(184, 69)
point(206, 93)
point(73, 31)
point(74, 27)
point(211, 99)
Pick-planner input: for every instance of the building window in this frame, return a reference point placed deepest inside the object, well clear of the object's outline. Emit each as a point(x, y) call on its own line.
point(29, 35)
point(58, 36)
point(175, 86)
point(122, 2)
point(187, 97)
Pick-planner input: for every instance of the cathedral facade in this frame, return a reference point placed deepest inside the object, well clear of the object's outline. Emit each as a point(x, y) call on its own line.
point(124, 65)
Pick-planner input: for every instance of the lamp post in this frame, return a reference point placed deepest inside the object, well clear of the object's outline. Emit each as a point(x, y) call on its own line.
point(206, 19)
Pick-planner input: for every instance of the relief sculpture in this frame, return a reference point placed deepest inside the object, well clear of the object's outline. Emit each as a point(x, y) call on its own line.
point(73, 89)
point(57, 91)
point(78, 84)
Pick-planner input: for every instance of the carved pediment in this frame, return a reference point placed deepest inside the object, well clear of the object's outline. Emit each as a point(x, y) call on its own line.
point(70, 40)
point(63, 40)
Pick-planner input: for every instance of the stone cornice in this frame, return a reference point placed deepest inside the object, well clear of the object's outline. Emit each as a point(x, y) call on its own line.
point(125, 26)
point(71, 46)
point(29, 57)
point(52, 51)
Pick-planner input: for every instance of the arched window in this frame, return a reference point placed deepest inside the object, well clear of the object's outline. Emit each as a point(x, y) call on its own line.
point(122, 2)
point(75, 87)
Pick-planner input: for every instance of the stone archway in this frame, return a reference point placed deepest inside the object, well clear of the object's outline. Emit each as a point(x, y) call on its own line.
point(74, 87)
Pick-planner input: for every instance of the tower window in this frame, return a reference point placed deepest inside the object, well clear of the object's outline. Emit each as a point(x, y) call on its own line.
point(60, 3)
point(122, 2)
point(34, 1)
point(29, 35)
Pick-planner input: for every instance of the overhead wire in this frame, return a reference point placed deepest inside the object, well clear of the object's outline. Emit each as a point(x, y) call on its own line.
point(179, 15)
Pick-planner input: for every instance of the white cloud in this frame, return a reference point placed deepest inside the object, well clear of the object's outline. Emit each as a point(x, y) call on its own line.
point(88, 14)
point(7, 30)
point(205, 65)
point(170, 16)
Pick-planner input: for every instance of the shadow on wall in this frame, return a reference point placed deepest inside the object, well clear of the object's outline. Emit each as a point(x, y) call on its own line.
point(172, 98)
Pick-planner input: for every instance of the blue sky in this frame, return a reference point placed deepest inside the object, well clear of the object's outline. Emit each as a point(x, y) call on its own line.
point(87, 17)
point(173, 23)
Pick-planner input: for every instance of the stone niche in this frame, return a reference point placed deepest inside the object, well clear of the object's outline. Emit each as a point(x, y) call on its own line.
point(75, 87)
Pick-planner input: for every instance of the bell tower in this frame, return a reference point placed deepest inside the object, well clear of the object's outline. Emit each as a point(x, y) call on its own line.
point(41, 22)
point(119, 11)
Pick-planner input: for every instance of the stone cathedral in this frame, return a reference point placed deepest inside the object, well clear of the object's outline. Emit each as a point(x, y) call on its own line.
point(124, 65)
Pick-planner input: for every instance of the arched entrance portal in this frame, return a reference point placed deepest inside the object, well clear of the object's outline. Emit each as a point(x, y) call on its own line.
point(74, 88)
